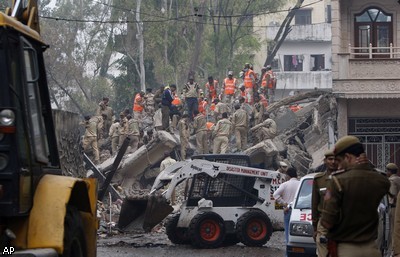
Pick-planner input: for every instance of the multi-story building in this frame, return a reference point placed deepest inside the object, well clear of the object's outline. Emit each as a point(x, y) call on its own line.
point(366, 74)
point(304, 61)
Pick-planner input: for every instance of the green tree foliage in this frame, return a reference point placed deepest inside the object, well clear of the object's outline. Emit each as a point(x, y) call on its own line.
point(94, 48)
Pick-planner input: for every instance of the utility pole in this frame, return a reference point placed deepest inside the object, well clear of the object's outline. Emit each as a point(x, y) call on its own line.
point(139, 37)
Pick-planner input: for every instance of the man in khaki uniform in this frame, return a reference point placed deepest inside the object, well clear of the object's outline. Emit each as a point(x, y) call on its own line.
point(133, 133)
point(123, 128)
point(149, 104)
point(200, 128)
point(351, 201)
point(222, 133)
point(220, 108)
point(258, 110)
point(184, 133)
point(391, 172)
point(114, 135)
point(396, 229)
point(90, 136)
point(265, 130)
point(240, 125)
point(318, 193)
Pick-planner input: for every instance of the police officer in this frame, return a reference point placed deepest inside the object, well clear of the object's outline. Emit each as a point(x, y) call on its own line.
point(396, 230)
point(391, 172)
point(184, 134)
point(222, 133)
point(240, 122)
point(351, 201)
point(200, 128)
point(318, 193)
point(133, 133)
point(114, 135)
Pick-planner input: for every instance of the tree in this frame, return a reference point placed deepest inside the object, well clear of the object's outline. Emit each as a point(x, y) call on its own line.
point(283, 31)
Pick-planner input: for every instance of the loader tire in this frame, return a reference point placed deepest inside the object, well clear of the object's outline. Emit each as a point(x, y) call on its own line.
point(207, 230)
point(254, 228)
point(176, 235)
point(74, 237)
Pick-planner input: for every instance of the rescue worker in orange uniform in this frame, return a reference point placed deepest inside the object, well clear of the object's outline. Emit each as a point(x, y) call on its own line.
point(211, 87)
point(229, 87)
point(249, 82)
point(203, 105)
point(175, 113)
point(138, 105)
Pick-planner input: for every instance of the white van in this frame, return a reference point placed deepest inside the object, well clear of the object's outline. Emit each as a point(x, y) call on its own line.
point(301, 242)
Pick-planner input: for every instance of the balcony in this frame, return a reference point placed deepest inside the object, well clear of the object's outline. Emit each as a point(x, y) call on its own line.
point(313, 32)
point(368, 72)
point(369, 63)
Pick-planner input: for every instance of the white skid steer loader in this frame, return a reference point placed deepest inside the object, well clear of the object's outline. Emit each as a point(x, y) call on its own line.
point(225, 204)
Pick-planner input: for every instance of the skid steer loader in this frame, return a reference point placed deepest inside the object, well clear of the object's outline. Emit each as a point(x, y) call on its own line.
point(225, 204)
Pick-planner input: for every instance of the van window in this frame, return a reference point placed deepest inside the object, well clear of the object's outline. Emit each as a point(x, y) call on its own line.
point(304, 195)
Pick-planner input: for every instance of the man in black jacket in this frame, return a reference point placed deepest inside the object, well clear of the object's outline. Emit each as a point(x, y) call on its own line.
point(166, 102)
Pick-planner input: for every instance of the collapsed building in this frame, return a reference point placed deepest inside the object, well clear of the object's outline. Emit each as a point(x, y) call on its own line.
point(303, 137)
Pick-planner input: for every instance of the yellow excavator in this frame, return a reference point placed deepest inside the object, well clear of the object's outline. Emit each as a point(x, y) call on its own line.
point(42, 212)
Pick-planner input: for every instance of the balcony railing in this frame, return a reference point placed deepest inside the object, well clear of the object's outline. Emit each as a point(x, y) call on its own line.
point(374, 52)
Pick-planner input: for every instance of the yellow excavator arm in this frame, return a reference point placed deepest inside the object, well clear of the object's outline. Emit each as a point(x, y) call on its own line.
point(27, 15)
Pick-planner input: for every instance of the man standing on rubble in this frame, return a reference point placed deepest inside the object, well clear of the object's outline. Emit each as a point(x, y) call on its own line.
point(138, 105)
point(222, 132)
point(191, 90)
point(114, 135)
point(249, 82)
point(200, 128)
point(211, 88)
point(133, 133)
point(184, 134)
point(90, 137)
point(166, 103)
point(318, 194)
point(149, 106)
point(258, 110)
point(240, 125)
point(229, 88)
point(123, 128)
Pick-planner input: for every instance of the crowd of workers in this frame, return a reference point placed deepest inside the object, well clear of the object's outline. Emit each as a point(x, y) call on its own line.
point(344, 223)
point(215, 113)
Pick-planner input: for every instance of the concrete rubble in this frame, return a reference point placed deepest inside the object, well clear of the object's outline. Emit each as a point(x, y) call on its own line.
point(303, 137)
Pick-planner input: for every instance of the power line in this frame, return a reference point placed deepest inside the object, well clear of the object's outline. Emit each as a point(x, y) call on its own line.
point(180, 18)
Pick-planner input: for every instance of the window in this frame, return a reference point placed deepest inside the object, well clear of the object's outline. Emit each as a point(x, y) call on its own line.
point(373, 26)
point(304, 195)
point(36, 122)
point(293, 62)
point(317, 62)
point(302, 17)
point(329, 13)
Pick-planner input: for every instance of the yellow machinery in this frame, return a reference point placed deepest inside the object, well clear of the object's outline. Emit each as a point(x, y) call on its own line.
point(42, 213)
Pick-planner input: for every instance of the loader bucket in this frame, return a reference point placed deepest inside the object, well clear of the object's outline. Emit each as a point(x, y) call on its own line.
point(157, 210)
point(143, 213)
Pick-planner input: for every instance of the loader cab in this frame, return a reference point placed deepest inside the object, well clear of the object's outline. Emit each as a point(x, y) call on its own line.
point(28, 146)
point(222, 190)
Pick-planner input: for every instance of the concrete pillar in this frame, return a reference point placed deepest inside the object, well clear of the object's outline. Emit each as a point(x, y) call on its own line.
point(342, 119)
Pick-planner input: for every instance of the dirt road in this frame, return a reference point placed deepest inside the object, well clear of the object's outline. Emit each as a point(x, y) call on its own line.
point(157, 244)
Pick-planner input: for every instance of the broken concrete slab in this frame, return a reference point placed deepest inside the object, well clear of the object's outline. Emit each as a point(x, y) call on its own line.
point(135, 164)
